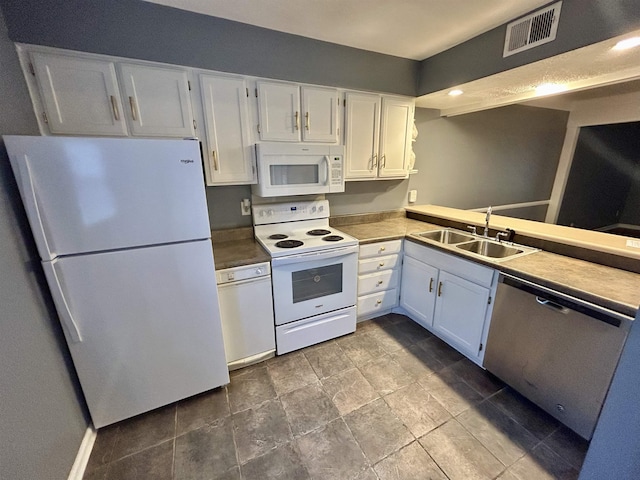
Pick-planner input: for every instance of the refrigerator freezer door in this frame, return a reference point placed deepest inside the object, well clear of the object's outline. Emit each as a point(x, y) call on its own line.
point(96, 194)
point(149, 323)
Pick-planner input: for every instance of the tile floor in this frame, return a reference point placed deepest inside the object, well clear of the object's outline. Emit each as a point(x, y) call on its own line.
point(390, 401)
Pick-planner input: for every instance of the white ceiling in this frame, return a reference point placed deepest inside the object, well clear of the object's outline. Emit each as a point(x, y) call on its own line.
point(579, 70)
point(414, 29)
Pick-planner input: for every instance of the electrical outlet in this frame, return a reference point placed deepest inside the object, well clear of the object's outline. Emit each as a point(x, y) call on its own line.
point(413, 196)
point(245, 206)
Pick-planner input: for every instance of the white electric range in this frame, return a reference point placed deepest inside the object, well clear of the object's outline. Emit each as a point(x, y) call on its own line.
point(314, 272)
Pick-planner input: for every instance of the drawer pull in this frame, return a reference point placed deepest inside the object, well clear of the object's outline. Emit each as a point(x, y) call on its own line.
point(439, 289)
point(380, 282)
point(381, 264)
point(431, 285)
point(382, 249)
point(378, 302)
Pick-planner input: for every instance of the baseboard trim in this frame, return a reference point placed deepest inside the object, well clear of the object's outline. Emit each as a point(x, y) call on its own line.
point(84, 452)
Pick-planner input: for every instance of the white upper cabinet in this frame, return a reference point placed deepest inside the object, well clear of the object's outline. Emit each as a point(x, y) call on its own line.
point(283, 117)
point(320, 108)
point(362, 133)
point(377, 136)
point(157, 101)
point(279, 112)
point(395, 136)
point(79, 96)
point(229, 158)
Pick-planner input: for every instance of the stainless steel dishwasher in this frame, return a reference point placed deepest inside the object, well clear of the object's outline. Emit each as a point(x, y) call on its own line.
point(558, 351)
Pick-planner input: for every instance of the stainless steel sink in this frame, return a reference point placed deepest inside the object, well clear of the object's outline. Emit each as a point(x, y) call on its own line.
point(495, 250)
point(491, 249)
point(449, 237)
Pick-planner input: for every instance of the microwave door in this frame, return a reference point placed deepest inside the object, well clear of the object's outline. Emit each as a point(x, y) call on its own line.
point(294, 175)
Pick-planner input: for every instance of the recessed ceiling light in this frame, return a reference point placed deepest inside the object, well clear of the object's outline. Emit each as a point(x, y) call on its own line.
point(628, 43)
point(549, 88)
point(455, 93)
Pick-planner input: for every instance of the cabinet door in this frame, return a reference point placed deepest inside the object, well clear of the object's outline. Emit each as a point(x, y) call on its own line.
point(418, 294)
point(320, 114)
point(80, 96)
point(460, 311)
point(279, 111)
point(229, 156)
point(157, 101)
point(362, 130)
point(395, 137)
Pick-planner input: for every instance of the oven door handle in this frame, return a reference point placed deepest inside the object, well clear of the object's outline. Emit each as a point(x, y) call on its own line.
point(322, 255)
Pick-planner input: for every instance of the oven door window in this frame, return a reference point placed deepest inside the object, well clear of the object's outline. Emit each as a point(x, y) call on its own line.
point(294, 174)
point(316, 282)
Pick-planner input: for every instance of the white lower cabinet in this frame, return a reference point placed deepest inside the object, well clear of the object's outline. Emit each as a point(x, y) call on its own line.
point(451, 297)
point(378, 278)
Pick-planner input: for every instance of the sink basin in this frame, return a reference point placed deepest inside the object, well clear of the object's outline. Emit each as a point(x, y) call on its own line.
point(490, 249)
point(446, 236)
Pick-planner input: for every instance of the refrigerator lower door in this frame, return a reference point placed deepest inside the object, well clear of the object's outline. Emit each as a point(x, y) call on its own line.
point(143, 326)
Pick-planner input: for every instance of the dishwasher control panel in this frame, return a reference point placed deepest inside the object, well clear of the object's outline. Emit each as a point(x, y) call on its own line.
point(245, 272)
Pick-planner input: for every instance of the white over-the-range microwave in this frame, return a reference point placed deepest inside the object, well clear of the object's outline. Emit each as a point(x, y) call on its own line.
point(294, 169)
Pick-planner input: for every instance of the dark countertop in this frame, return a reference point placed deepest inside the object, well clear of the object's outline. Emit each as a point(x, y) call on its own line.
point(616, 289)
point(236, 253)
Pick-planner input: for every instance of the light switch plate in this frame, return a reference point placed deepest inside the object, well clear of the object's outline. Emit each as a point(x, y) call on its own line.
point(413, 196)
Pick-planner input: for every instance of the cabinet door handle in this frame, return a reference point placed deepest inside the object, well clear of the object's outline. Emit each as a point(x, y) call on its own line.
point(297, 125)
point(374, 161)
point(439, 289)
point(431, 285)
point(306, 121)
point(215, 160)
point(132, 105)
point(383, 161)
point(114, 107)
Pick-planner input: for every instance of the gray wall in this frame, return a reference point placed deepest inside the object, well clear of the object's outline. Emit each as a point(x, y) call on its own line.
point(142, 30)
point(582, 22)
point(500, 156)
point(43, 417)
point(370, 196)
point(613, 453)
point(224, 206)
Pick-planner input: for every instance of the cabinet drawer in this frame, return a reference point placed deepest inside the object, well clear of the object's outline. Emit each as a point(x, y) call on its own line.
point(371, 265)
point(377, 282)
point(377, 302)
point(380, 248)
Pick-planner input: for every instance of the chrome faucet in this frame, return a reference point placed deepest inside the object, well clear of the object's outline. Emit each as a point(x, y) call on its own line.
point(486, 221)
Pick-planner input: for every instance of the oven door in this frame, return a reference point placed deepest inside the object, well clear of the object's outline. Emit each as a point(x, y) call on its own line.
point(309, 284)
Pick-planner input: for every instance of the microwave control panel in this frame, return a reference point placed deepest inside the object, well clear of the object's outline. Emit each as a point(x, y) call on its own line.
point(336, 165)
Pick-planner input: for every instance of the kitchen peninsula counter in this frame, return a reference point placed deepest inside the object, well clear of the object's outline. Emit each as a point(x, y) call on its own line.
point(609, 287)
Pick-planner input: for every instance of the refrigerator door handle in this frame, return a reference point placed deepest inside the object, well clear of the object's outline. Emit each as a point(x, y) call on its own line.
point(31, 203)
point(66, 317)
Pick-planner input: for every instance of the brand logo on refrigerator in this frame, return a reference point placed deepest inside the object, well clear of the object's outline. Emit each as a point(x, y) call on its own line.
point(186, 160)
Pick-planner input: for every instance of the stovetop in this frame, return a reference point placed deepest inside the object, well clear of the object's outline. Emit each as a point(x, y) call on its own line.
point(301, 227)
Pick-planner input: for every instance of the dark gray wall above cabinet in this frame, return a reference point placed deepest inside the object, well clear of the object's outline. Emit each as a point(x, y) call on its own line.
point(582, 23)
point(146, 31)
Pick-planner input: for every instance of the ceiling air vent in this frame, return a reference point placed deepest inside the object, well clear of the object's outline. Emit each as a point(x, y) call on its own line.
point(535, 29)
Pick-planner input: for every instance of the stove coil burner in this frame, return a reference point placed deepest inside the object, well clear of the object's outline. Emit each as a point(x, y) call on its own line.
point(333, 238)
point(278, 236)
point(318, 232)
point(289, 244)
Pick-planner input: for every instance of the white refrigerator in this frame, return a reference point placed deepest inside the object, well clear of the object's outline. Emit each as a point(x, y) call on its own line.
point(122, 230)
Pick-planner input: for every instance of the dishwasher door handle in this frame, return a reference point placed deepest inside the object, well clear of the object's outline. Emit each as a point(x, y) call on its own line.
point(552, 305)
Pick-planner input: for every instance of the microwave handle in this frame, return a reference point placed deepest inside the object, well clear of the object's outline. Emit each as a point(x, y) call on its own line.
point(326, 169)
